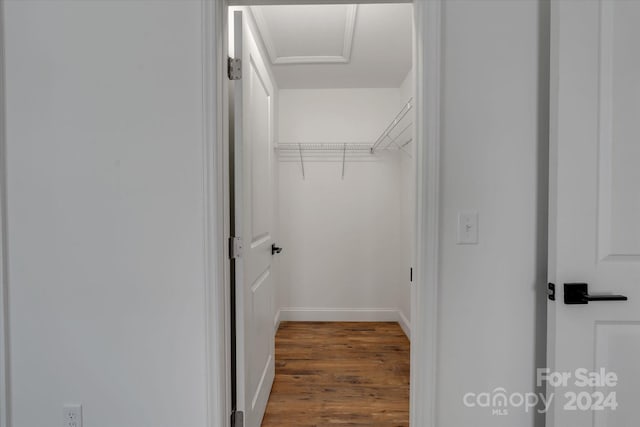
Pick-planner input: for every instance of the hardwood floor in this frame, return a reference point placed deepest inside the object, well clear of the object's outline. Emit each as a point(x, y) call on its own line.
point(340, 373)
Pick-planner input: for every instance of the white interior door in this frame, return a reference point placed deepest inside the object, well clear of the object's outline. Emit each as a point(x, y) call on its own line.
point(595, 208)
point(253, 174)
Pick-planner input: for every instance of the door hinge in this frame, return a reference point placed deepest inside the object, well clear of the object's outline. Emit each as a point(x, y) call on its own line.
point(551, 292)
point(235, 247)
point(237, 419)
point(234, 68)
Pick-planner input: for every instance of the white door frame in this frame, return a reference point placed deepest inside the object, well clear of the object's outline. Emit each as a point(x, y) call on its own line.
point(424, 309)
point(4, 311)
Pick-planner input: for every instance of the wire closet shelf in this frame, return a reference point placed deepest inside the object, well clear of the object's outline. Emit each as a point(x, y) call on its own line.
point(396, 133)
point(394, 136)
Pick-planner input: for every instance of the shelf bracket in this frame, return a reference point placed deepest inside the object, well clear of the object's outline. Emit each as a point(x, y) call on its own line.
point(301, 160)
point(344, 154)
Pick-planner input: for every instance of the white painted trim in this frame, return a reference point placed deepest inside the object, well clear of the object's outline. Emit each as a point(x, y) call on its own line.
point(424, 293)
point(294, 2)
point(253, 25)
point(337, 59)
point(267, 39)
point(313, 314)
point(605, 139)
point(424, 309)
point(605, 132)
point(552, 226)
point(349, 30)
point(265, 33)
point(215, 219)
point(276, 322)
point(5, 395)
point(404, 324)
point(307, 314)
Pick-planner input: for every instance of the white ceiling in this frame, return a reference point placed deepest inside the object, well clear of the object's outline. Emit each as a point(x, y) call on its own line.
point(337, 46)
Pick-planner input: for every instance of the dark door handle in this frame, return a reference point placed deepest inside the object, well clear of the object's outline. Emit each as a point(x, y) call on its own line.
point(578, 293)
point(275, 249)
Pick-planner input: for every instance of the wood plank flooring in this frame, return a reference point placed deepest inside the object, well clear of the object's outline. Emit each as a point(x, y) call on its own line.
point(340, 374)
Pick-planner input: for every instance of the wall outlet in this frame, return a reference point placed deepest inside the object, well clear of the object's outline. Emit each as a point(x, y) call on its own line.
point(72, 416)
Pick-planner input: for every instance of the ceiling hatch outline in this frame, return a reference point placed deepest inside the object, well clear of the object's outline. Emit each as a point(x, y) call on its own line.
point(345, 58)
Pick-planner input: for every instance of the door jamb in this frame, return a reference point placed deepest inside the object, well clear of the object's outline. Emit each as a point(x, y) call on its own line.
point(424, 297)
point(216, 218)
point(424, 316)
point(5, 407)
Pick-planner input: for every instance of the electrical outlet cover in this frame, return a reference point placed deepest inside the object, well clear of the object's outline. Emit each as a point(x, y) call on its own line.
point(72, 416)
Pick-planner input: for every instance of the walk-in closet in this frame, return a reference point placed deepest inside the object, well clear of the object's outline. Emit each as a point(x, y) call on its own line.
point(323, 179)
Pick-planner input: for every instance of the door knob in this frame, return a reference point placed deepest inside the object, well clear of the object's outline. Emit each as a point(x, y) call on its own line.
point(578, 293)
point(275, 249)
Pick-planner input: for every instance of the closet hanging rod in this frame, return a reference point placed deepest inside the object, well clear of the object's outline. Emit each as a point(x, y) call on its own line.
point(385, 134)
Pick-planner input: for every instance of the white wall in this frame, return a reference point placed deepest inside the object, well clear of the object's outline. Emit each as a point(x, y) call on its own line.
point(105, 196)
point(105, 209)
point(341, 238)
point(491, 132)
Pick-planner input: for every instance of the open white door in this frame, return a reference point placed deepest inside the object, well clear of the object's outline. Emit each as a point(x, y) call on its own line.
point(253, 223)
point(595, 211)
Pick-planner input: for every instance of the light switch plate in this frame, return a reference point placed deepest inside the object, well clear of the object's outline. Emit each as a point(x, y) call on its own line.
point(467, 228)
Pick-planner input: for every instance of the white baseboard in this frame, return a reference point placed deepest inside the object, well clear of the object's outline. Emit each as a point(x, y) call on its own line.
point(307, 314)
point(404, 324)
point(276, 321)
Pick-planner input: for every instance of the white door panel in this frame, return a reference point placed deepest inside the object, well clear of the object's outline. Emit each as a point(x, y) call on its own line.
point(617, 348)
point(253, 175)
point(595, 203)
point(259, 162)
point(620, 150)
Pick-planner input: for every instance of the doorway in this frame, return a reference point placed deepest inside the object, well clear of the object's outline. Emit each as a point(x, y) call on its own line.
point(425, 272)
point(323, 165)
